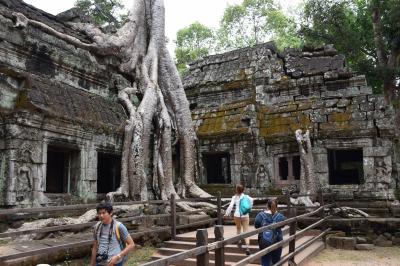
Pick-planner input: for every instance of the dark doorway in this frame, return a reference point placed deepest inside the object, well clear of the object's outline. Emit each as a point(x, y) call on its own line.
point(283, 168)
point(62, 169)
point(345, 167)
point(108, 172)
point(296, 167)
point(218, 168)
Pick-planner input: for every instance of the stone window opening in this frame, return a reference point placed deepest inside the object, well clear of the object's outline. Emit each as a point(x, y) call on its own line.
point(62, 169)
point(217, 166)
point(288, 167)
point(108, 172)
point(345, 166)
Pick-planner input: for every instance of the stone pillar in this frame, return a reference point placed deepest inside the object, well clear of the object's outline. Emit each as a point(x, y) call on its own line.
point(87, 185)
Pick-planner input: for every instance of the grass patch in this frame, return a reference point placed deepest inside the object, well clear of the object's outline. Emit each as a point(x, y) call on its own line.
point(140, 255)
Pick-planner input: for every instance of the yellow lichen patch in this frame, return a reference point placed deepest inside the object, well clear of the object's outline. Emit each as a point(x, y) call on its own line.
point(339, 117)
point(223, 121)
point(281, 121)
point(337, 126)
point(303, 119)
point(306, 105)
point(238, 84)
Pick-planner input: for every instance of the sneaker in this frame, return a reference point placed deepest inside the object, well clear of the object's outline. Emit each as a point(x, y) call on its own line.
point(247, 252)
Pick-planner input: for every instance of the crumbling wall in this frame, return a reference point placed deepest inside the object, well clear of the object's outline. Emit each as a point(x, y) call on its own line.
point(263, 97)
point(53, 94)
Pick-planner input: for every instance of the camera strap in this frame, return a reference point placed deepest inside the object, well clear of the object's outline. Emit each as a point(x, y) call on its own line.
point(110, 232)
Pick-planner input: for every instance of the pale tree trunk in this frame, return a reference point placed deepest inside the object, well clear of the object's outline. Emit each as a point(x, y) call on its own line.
point(308, 181)
point(162, 118)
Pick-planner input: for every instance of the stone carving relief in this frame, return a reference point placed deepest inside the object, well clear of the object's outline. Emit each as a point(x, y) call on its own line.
point(263, 179)
point(28, 185)
point(245, 171)
point(23, 184)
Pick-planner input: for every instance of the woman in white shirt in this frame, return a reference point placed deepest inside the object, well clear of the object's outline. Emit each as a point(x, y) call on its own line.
point(240, 220)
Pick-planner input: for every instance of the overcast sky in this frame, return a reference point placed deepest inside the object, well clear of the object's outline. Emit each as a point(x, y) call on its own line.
point(179, 13)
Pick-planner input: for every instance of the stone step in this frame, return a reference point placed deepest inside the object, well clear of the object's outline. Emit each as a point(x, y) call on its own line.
point(235, 254)
point(228, 256)
point(253, 239)
point(192, 262)
point(183, 245)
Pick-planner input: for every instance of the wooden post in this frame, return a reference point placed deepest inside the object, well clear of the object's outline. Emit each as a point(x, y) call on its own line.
point(219, 206)
point(202, 240)
point(292, 231)
point(288, 205)
point(173, 216)
point(324, 225)
point(219, 252)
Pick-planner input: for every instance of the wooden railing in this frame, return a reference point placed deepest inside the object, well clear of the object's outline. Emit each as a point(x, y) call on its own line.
point(201, 252)
point(172, 227)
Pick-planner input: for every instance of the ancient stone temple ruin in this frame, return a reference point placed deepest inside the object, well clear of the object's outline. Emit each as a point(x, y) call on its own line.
point(62, 128)
point(247, 104)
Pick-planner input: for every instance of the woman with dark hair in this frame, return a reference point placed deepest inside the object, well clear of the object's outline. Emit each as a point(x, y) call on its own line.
point(270, 236)
point(241, 220)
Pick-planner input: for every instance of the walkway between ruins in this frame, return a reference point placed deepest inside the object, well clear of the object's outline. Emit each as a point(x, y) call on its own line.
point(233, 253)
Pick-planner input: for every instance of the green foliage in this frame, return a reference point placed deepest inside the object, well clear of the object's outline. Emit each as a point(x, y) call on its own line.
point(254, 22)
point(347, 24)
point(250, 23)
point(103, 12)
point(192, 42)
point(242, 25)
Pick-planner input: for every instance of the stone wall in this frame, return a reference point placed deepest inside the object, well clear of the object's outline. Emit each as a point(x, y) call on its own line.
point(52, 94)
point(253, 99)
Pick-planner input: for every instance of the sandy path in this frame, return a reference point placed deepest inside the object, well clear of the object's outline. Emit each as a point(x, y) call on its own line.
point(389, 256)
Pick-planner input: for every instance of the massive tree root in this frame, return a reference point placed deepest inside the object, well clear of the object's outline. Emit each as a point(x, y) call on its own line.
point(88, 216)
point(161, 120)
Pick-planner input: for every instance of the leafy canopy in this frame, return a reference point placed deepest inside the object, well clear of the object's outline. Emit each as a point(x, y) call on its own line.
point(348, 24)
point(104, 13)
point(192, 42)
point(246, 24)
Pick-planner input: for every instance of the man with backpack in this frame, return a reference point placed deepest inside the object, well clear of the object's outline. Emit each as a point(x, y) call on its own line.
point(112, 241)
point(270, 236)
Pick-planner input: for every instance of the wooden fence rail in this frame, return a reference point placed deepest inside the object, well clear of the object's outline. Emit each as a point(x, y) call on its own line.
point(204, 247)
point(218, 246)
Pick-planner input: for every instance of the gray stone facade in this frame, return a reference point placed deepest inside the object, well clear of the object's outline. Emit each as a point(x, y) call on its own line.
point(53, 96)
point(247, 104)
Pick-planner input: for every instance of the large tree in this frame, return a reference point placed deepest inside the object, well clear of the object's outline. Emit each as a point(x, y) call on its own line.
point(192, 42)
point(103, 12)
point(366, 31)
point(162, 119)
point(253, 22)
point(242, 25)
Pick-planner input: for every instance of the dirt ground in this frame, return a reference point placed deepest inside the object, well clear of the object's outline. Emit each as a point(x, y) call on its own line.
point(389, 256)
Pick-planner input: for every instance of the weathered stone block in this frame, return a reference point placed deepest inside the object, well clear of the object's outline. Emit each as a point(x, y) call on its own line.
point(365, 247)
point(382, 241)
point(361, 240)
point(348, 243)
point(396, 241)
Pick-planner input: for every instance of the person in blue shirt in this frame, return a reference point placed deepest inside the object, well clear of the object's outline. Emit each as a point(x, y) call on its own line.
point(264, 218)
